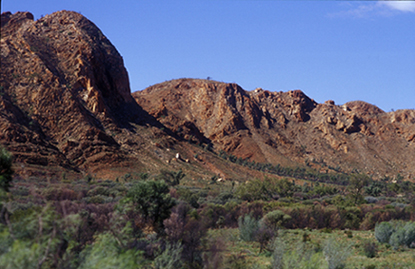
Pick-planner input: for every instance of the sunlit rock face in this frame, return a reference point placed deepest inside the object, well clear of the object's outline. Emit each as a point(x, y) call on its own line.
point(285, 127)
point(64, 90)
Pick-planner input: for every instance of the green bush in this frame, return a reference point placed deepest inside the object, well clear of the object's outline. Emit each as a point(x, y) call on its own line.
point(383, 232)
point(99, 190)
point(277, 261)
point(352, 218)
point(336, 253)
point(248, 227)
point(276, 219)
point(170, 257)
point(171, 177)
point(370, 249)
point(266, 189)
point(409, 234)
point(223, 198)
point(107, 252)
point(152, 199)
point(6, 171)
point(302, 258)
point(98, 199)
point(188, 196)
point(21, 191)
point(254, 190)
point(397, 238)
point(396, 233)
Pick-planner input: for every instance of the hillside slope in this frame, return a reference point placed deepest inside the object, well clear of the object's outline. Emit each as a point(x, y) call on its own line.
point(286, 127)
point(66, 105)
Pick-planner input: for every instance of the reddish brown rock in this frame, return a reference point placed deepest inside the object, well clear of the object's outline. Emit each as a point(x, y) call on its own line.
point(65, 102)
point(64, 91)
point(285, 128)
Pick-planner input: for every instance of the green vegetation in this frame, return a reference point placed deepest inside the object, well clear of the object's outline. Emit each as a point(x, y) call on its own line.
point(398, 234)
point(248, 227)
point(152, 200)
point(167, 220)
point(6, 170)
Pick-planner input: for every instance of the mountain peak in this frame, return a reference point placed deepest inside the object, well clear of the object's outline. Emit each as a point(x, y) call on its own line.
point(66, 84)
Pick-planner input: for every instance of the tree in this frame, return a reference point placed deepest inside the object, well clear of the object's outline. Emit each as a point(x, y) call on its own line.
point(6, 170)
point(357, 182)
point(171, 177)
point(152, 200)
point(177, 176)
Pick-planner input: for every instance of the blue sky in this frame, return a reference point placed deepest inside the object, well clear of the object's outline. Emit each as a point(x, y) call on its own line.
point(331, 50)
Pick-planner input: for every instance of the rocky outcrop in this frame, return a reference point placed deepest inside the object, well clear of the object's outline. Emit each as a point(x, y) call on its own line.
point(65, 102)
point(285, 127)
point(64, 91)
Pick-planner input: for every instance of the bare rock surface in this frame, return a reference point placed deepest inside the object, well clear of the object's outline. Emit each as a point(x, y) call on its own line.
point(285, 127)
point(64, 91)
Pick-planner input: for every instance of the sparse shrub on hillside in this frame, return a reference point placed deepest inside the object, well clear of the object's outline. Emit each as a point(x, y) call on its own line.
point(357, 183)
point(375, 188)
point(98, 199)
point(99, 190)
point(370, 249)
point(59, 194)
point(188, 196)
point(192, 239)
point(254, 190)
point(223, 198)
point(342, 201)
point(211, 214)
point(368, 222)
point(321, 190)
point(266, 189)
point(39, 237)
point(248, 227)
point(6, 171)
point(171, 177)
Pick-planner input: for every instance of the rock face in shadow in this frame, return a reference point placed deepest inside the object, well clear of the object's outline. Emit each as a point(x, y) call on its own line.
point(64, 91)
point(285, 127)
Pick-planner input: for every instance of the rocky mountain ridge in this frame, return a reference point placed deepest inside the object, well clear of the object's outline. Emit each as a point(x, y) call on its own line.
point(64, 90)
point(285, 127)
point(66, 104)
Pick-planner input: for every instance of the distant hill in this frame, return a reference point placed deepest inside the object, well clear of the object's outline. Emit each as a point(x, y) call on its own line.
point(66, 105)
